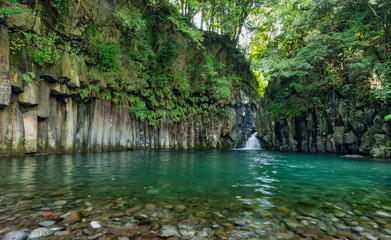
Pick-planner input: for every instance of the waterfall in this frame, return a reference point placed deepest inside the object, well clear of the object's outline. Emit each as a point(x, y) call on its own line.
point(253, 142)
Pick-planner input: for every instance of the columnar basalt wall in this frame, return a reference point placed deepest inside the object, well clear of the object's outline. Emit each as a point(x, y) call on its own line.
point(101, 125)
point(332, 129)
point(43, 111)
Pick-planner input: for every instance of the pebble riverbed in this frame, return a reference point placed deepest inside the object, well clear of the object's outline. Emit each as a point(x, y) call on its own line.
point(62, 215)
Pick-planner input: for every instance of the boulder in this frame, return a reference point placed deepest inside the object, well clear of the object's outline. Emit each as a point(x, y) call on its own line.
point(22, 22)
point(330, 143)
point(321, 144)
point(356, 125)
point(381, 139)
point(350, 138)
point(339, 134)
point(386, 128)
point(369, 115)
point(366, 142)
point(342, 112)
point(104, 11)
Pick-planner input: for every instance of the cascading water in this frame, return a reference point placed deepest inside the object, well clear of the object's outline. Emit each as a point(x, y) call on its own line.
point(253, 143)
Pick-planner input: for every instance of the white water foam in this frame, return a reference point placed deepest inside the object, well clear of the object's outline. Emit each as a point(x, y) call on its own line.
point(253, 143)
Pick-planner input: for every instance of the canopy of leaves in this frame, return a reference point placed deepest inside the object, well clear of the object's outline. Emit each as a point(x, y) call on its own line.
point(312, 49)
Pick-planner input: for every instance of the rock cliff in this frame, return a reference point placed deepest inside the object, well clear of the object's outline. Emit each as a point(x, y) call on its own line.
point(80, 76)
point(333, 128)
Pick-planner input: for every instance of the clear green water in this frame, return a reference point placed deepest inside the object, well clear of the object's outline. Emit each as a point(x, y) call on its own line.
point(272, 192)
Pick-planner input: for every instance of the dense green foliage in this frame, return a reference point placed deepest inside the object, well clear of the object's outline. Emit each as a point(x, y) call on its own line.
point(27, 78)
point(168, 85)
point(223, 16)
point(13, 10)
point(312, 50)
point(43, 49)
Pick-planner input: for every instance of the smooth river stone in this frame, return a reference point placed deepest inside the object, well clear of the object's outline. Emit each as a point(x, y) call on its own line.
point(383, 214)
point(152, 192)
point(150, 206)
point(15, 235)
point(46, 223)
point(95, 224)
point(169, 233)
point(358, 229)
point(39, 233)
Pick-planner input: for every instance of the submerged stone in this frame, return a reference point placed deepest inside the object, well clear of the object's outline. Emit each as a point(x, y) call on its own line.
point(154, 226)
point(169, 233)
point(383, 214)
point(39, 233)
point(56, 228)
point(15, 235)
point(153, 192)
point(180, 208)
point(240, 223)
point(189, 224)
point(200, 214)
point(150, 206)
point(72, 216)
point(140, 217)
point(46, 223)
point(358, 229)
point(95, 224)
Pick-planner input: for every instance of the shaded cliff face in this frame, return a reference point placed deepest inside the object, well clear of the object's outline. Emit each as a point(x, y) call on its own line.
point(337, 127)
point(84, 78)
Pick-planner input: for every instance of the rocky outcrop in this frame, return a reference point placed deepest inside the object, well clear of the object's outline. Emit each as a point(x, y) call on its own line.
point(332, 129)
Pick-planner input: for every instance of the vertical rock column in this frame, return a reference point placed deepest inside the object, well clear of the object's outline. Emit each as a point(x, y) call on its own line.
point(30, 131)
point(43, 110)
point(5, 93)
point(114, 131)
point(107, 122)
point(5, 81)
point(5, 131)
point(70, 125)
point(17, 128)
point(52, 125)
